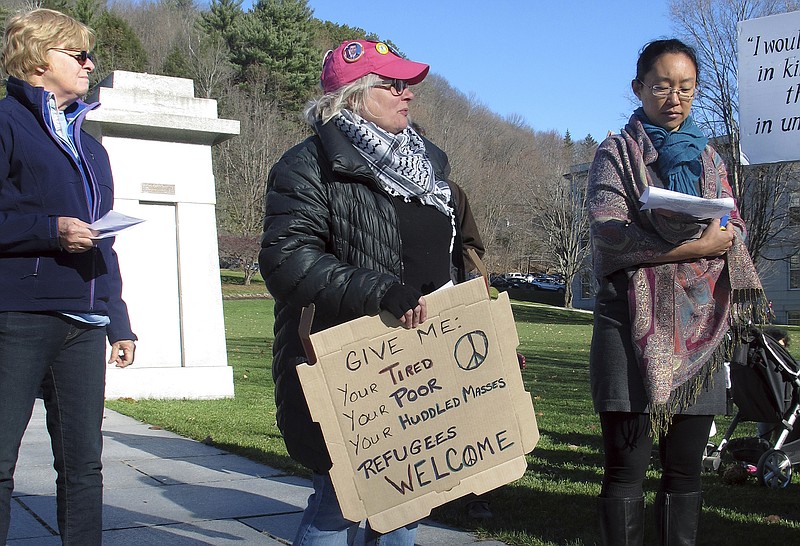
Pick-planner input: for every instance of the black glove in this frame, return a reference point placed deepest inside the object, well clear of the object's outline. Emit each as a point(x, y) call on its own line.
point(399, 299)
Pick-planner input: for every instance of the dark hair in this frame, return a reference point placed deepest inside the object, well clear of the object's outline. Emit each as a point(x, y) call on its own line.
point(652, 51)
point(777, 333)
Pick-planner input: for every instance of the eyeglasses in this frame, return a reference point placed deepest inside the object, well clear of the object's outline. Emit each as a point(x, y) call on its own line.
point(80, 56)
point(663, 91)
point(396, 86)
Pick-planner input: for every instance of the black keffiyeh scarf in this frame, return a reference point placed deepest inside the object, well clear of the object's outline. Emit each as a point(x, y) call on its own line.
point(400, 162)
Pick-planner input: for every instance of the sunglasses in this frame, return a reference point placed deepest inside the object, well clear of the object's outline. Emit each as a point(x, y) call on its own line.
point(396, 86)
point(80, 56)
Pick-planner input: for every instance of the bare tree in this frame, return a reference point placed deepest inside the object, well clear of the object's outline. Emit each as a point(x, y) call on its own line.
point(565, 225)
point(710, 26)
point(501, 164)
point(241, 167)
point(209, 61)
point(160, 25)
point(561, 213)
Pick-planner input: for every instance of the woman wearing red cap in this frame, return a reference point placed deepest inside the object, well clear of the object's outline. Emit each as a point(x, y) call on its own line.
point(359, 219)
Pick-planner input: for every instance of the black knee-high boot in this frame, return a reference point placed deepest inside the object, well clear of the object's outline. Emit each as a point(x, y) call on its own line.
point(677, 518)
point(621, 521)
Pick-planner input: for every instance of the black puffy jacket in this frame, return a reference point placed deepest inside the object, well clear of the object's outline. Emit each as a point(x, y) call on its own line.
point(331, 238)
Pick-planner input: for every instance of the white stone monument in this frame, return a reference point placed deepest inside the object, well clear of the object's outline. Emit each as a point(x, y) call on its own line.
point(159, 138)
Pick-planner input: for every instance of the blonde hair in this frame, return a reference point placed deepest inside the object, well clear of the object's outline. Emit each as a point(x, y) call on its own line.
point(28, 36)
point(352, 96)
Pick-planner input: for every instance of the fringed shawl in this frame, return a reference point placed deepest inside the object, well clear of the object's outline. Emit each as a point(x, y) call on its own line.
point(680, 313)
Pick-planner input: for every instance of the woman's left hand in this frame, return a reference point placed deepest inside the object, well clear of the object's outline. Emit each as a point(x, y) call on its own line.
point(122, 353)
point(713, 242)
point(716, 240)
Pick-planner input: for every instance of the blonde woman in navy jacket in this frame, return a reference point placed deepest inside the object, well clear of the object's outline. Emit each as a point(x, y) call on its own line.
point(60, 290)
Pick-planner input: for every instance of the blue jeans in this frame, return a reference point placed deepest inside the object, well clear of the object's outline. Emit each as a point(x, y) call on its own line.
point(66, 360)
point(324, 525)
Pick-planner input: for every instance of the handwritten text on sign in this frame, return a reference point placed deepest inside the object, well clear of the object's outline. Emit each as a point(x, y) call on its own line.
point(400, 386)
point(416, 418)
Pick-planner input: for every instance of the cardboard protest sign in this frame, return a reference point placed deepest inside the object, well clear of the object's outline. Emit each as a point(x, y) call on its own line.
point(416, 418)
point(769, 88)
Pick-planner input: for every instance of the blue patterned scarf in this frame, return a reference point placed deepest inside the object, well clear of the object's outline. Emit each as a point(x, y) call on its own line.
point(679, 165)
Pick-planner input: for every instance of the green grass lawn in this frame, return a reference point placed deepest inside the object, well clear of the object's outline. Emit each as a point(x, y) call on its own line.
point(553, 503)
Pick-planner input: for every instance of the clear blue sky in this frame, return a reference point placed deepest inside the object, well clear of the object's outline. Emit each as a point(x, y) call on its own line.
point(560, 65)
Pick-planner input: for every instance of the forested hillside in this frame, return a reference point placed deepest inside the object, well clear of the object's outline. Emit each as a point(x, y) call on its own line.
point(263, 64)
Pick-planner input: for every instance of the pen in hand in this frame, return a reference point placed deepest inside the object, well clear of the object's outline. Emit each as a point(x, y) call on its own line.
point(723, 222)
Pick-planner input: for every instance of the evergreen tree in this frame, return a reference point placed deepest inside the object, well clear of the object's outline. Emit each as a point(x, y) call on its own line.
point(117, 48)
point(57, 5)
point(569, 148)
point(588, 146)
point(85, 11)
point(4, 14)
point(277, 45)
point(176, 64)
point(328, 35)
point(181, 5)
point(222, 18)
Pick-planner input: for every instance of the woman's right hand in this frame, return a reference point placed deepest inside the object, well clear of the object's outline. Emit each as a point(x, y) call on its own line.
point(715, 240)
point(75, 236)
point(406, 304)
point(416, 316)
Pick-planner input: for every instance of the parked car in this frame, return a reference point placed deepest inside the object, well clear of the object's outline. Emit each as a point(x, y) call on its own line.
point(546, 284)
point(499, 281)
point(508, 280)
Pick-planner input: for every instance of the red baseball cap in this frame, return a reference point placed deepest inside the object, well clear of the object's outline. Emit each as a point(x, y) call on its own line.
point(356, 58)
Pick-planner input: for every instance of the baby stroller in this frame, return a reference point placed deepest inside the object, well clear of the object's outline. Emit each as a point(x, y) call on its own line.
point(765, 386)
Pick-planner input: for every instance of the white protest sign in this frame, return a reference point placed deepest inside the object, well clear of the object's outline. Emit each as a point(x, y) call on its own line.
point(416, 418)
point(769, 88)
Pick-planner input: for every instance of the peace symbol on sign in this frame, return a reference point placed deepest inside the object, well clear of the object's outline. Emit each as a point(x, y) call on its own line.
point(471, 350)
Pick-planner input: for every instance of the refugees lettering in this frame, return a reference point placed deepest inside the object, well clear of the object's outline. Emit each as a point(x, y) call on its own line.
point(376, 465)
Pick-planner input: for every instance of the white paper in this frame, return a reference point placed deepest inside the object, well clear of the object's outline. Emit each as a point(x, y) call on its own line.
point(699, 207)
point(112, 223)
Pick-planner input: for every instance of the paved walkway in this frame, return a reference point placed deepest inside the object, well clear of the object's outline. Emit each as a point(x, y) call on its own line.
point(162, 489)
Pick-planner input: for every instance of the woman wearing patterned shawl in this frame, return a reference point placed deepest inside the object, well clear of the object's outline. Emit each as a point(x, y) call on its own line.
point(359, 219)
point(671, 287)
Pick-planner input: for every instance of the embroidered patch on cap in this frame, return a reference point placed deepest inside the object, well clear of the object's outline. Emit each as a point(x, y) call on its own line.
point(352, 52)
point(382, 48)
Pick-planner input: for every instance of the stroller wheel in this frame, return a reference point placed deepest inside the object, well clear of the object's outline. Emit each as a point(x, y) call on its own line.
point(774, 469)
point(711, 458)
